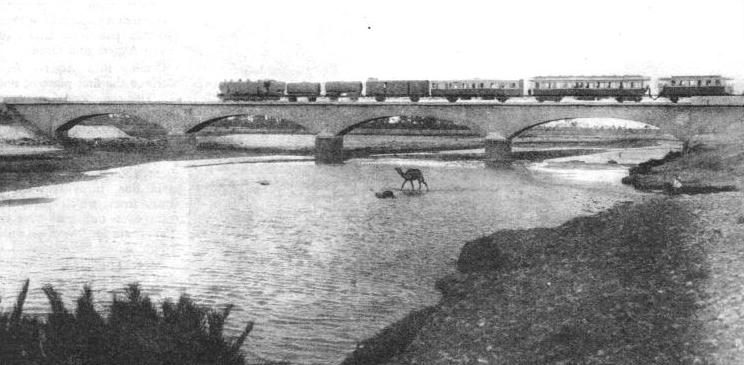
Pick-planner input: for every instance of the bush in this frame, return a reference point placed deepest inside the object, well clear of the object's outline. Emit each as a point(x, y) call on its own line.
point(135, 332)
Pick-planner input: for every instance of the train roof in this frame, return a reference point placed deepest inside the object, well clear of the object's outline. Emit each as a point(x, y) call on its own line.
point(592, 77)
point(695, 77)
point(479, 80)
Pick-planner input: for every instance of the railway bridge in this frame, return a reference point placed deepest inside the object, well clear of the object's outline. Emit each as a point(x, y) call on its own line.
point(330, 121)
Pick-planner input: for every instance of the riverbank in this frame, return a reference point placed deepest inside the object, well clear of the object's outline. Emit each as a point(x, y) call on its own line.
point(651, 282)
point(696, 171)
point(70, 164)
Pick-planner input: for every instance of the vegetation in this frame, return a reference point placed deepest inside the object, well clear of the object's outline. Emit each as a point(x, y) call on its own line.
point(243, 123)
point(414, 122)
point(133, 332)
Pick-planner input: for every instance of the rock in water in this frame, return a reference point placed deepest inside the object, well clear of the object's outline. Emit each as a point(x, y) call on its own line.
point(385, 194)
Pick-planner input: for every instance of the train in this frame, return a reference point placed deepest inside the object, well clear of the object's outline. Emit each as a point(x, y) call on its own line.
point(542, 88)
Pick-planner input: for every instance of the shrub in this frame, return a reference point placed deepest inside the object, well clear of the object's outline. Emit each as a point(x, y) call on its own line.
point(134, 332)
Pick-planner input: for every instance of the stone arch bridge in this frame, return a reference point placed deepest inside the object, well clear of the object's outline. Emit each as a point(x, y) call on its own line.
point(499, 123)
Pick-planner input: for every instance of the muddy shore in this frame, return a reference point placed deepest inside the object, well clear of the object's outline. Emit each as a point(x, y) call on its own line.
point(657, 281)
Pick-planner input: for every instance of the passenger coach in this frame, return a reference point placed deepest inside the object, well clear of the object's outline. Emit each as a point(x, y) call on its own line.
point(453, 90)
point(555, 88)
point(676, 87)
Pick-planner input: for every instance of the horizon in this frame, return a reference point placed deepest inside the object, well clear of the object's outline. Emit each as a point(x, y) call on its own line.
point(170, 51)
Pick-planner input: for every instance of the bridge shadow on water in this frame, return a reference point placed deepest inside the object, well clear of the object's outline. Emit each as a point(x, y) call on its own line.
point(24, 201)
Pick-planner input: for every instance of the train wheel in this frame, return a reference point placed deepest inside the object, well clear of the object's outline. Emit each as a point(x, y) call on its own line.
point(540, 100)
point(380, 98)
point(619, 99)
point(452, 99)
point(503, 100)
point(354, 98)
point(488, 97)
point(292, 99)
point(333, 98)
point(414, 99)
point(673, 99)
point(312, 99)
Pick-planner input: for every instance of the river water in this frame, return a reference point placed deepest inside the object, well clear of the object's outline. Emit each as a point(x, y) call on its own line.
point(307, 252)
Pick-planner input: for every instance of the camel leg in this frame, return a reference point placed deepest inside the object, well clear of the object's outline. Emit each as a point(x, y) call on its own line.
point(404, 185)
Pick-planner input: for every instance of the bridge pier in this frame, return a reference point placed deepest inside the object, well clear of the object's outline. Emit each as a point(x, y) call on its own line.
point(498, 150)
point(329, 149)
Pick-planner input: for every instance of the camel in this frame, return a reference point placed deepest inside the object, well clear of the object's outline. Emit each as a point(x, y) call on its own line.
point(410, 175)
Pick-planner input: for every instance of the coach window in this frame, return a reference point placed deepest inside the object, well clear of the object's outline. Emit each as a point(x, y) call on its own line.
point(718, 82)
point(700, 83)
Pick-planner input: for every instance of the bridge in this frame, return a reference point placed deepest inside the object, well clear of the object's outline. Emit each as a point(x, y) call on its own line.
point(330, 121)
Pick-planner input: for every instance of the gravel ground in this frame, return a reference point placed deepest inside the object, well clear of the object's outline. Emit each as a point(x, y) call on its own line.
point(653, 282)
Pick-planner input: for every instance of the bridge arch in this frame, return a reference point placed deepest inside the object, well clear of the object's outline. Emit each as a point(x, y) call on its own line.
point(360, 123)
point(517, 133)
point(217, 119)
point(62, 130)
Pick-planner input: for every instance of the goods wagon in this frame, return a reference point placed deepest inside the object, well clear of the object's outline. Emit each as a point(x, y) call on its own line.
point(413, 89)
point(338, 89)
point(310, 90)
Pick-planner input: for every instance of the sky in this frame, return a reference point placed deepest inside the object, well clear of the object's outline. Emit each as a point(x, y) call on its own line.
point(181, 50)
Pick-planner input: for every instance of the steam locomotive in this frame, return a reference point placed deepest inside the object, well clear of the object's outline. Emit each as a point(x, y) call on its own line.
point(542, 88)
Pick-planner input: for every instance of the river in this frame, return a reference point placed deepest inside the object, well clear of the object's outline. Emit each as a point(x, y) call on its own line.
point(306, 251)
